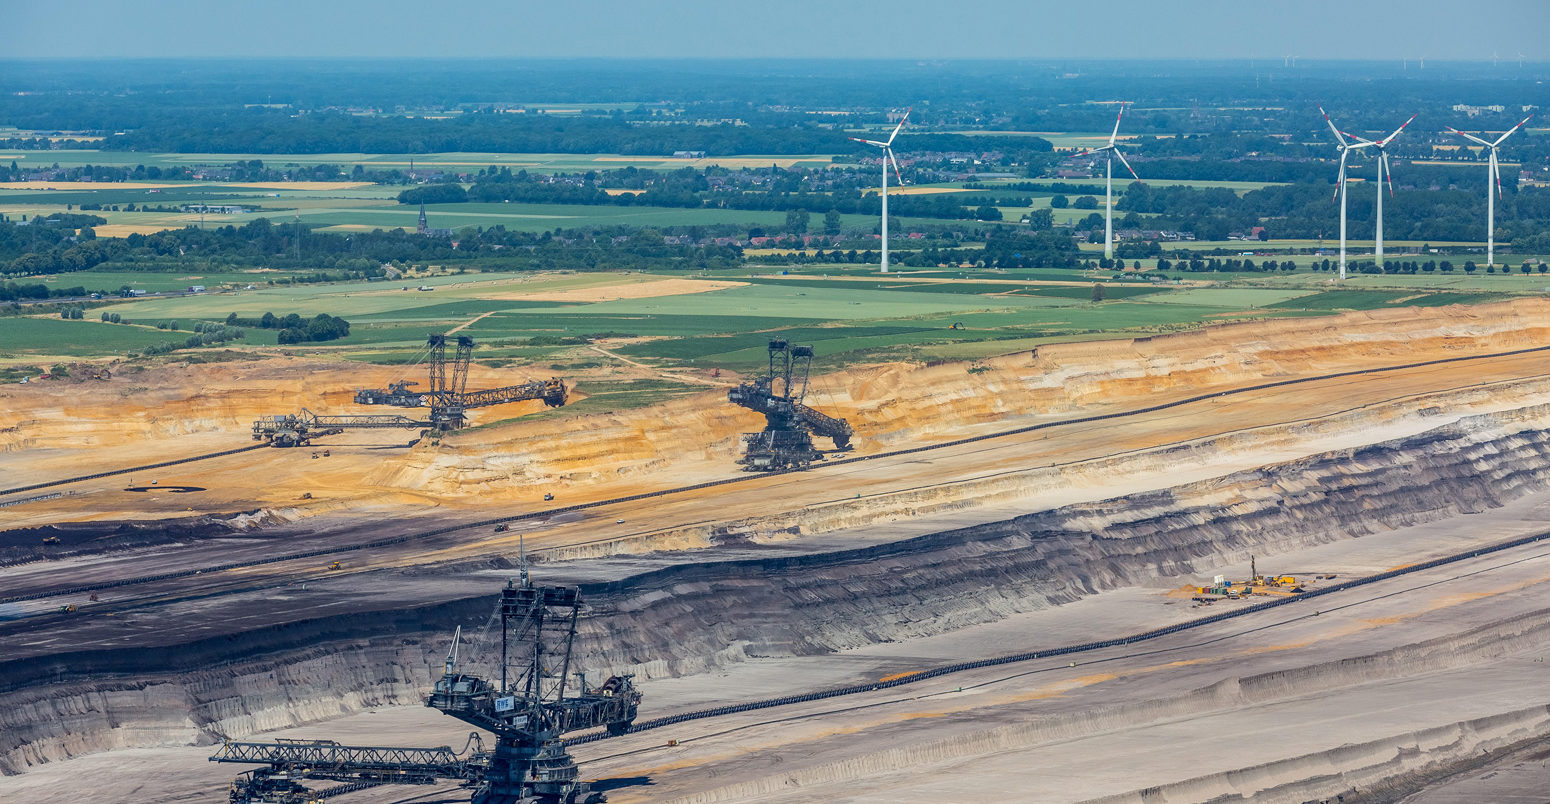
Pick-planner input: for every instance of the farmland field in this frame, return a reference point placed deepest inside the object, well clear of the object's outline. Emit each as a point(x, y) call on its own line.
point(30, 337)
point(353, 208)
point(719, 319)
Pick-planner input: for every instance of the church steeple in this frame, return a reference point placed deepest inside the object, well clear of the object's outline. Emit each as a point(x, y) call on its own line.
point(423, 228)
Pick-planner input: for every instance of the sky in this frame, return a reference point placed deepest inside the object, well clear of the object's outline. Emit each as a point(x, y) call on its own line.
point(911, 29)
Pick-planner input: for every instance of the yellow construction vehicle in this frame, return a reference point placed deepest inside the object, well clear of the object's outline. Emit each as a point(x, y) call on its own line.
point(335, 565)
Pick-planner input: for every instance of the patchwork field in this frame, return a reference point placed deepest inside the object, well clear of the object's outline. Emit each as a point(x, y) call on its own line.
point(338, 206)
point(675, 328)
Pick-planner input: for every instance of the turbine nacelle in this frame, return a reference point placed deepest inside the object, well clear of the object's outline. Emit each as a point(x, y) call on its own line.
point(1112, 149)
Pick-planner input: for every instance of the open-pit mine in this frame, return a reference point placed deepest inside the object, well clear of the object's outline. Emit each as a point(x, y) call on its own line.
point(1279, 561)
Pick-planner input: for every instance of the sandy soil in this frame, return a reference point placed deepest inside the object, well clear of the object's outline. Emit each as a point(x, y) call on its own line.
point(63, 430)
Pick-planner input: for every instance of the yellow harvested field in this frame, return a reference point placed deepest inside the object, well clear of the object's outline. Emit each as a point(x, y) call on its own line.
point(925, 190)
point(127, 229)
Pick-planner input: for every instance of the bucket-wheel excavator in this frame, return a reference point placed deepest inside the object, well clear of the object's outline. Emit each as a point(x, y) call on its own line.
point(447, 398)
point(787, 439)
point(448, 385)
point(525, 703)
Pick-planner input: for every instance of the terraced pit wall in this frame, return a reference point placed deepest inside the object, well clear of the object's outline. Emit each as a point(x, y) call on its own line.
point(696, 616)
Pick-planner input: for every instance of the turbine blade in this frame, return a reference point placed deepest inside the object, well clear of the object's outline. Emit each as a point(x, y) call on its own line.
point(1116, 124)
point(1388, 172)
point(895, 163)
point(1470, 137)
point(900, 125)
point(1496, 173)
point(870, 142)
point(1338, 135)
point(1509, 131)
point(1340, 182)
point(1385, 140)
point(1127, 164)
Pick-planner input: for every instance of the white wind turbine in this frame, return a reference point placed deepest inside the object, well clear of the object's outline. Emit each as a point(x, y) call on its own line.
point(1110, 151)
point(1346, 148)
point(888, 159)
point(1383, 170)
point(1494, 176)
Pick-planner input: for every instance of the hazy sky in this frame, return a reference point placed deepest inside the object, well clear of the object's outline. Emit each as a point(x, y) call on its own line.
point(1023, 29)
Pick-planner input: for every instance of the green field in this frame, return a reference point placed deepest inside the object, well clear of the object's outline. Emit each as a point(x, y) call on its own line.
point(24, 337)
point(860, 317)
point(363, 208)
point(1376, 299)
point(549, 323)
point(155, 282)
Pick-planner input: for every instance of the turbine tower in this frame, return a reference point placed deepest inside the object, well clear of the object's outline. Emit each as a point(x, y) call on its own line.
point(887, 159)
point(1494, 176)
point(1109, 152)
point(1383, 170)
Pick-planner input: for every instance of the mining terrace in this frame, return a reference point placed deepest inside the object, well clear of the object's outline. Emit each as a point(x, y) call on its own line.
point(1076, 493)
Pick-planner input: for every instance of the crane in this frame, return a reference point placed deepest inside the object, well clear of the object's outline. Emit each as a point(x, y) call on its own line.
point(787, 439)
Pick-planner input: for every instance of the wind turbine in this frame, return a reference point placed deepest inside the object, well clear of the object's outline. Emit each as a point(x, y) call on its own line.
point(1346, 148)
point(1493, 177)
point(1110, 151)
point(1383, 169)
point(887, 159)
